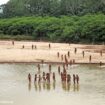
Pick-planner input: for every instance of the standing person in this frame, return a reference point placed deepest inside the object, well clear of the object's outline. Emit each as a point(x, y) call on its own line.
point(32, 46)
point(59, 69)
point(100, 63)
point(83, 54)
point(77, 79)
point(50, 68)
point(48, 77)
point(68, 78)
point(39, 79)
point(35, 47)
point(101, 53)
point(38, 68)
point(68, 54)
point(64, 75)
point(13, 43)
point(29, 77)
point(90, 58)
point(74, 78)
point(23, 47)
point(75, 50)
point(61, 76)
point(65, 58)
point(49, 45)
point(62, 57)
point(35, 79)
point(44, 79)
point(58, 54)
point(54, 77)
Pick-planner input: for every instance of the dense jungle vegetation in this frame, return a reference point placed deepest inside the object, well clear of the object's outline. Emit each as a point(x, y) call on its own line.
point(53, 20)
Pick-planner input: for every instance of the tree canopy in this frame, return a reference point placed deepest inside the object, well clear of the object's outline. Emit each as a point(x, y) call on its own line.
point(55, 20)
point(52, 7)
point(88, 28)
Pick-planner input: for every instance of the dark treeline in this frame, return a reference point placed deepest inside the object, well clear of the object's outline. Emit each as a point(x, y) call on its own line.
point(87, 28)
point(51, 7)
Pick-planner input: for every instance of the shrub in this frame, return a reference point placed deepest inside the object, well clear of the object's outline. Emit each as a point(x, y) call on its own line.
point(87, 28)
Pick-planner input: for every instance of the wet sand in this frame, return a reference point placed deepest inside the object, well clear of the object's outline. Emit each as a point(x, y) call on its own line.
point(10, 53)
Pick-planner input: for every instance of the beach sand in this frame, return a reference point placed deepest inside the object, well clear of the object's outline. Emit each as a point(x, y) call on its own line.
point(10, 53)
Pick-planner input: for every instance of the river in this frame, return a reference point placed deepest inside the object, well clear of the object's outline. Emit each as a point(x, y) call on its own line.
point(15, 89)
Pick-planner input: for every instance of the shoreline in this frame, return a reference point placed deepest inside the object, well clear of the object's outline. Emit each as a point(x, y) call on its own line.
point(16, 53)
point(55, 63)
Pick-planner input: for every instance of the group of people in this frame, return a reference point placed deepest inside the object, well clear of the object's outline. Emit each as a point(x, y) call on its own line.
point(66, 57)
point(51, 77)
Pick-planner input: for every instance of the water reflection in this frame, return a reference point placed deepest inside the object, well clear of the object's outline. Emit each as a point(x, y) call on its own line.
point(75, 87)
point(54, 85)
point(35, 85)
point(48, 85)
point(39, 86)
point(44, 85)
point(68, 86)
point(90, 91)
point(29, 86)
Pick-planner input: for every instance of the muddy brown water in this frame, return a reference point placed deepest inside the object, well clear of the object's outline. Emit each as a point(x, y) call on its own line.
point(15, 90)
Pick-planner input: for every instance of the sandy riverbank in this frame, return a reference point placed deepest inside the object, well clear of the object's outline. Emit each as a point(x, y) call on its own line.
point(15, 53)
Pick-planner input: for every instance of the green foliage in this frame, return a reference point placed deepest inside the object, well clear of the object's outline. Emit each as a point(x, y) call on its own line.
point(88, 28)
point(51, 7)
point(17, 37)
